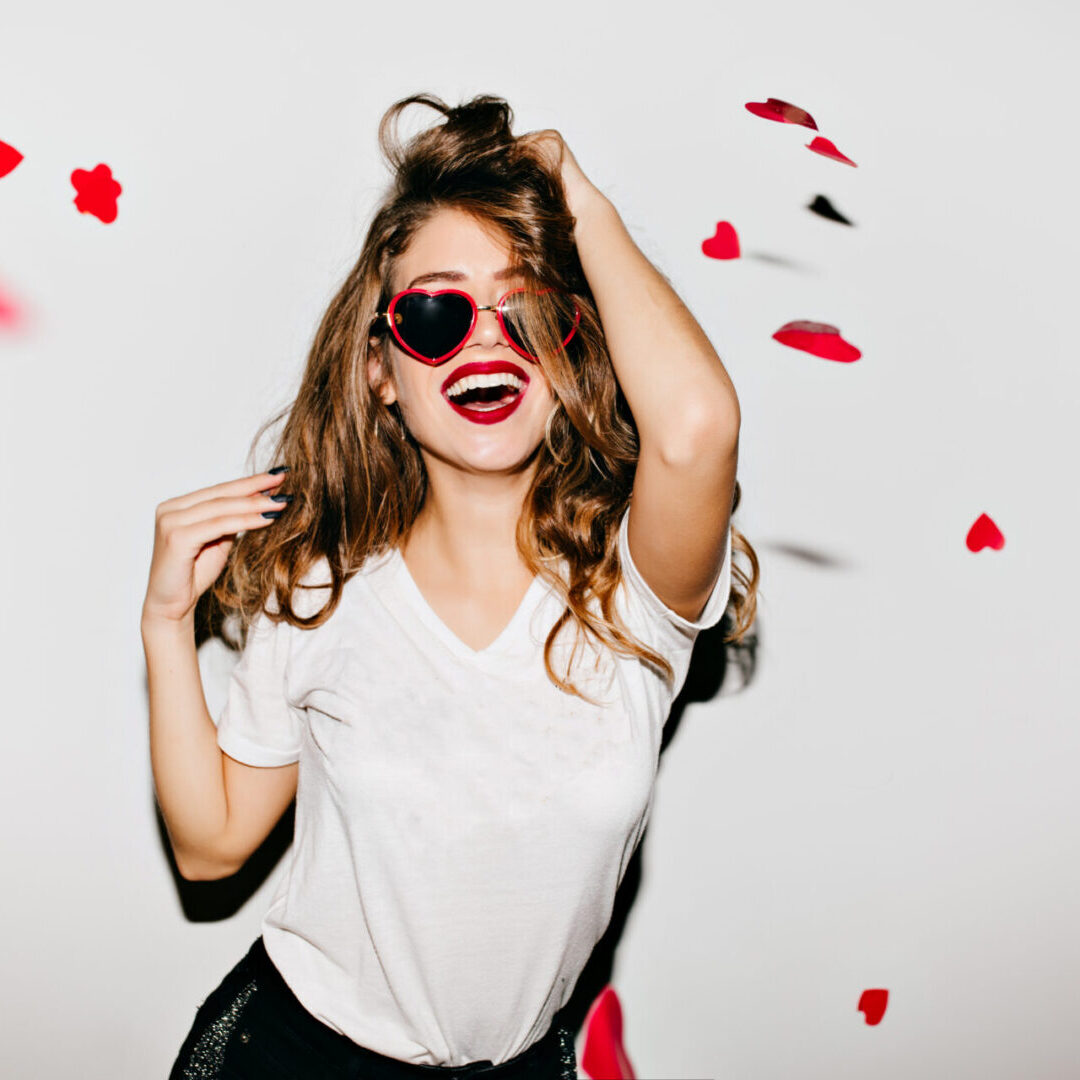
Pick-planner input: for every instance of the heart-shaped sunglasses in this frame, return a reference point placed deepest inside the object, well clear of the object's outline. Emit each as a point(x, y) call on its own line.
point(433, 326)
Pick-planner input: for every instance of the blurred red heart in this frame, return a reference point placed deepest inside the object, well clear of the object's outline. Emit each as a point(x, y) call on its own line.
point(984, 533)
point(818, 339)
point(825, 148)
point(9, 158)
point(872, 1004)
point(775, 109)
point(603, 1056)
point(723, 244)
point(10, 313)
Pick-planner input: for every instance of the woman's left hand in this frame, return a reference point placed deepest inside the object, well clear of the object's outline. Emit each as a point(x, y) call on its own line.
point(551, 148)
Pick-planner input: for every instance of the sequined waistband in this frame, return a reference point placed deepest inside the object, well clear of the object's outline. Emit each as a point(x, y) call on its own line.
point(550, 1057)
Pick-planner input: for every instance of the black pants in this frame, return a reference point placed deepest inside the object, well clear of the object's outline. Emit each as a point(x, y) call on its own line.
point(253, 1027)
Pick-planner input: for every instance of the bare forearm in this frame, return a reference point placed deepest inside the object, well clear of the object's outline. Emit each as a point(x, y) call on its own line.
point(184, 756)
point(674, 382)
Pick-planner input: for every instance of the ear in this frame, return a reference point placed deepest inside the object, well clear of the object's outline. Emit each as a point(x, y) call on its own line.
point(379, 378)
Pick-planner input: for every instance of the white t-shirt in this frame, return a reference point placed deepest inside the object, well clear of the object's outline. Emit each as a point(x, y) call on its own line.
point(462, 824)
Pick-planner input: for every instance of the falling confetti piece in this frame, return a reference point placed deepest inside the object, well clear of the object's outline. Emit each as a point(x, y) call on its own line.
point(603, 1056)
point(775, 109)
point(9, 158)
point(823, 208)
point(723, 244)
point(822, 146)
point(97, 192)
point(10, 312)
point(819, 339)
point(872, 1004)
point(984, 533)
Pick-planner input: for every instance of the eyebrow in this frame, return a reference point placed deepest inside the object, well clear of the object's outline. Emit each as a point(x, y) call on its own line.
point(457, 275)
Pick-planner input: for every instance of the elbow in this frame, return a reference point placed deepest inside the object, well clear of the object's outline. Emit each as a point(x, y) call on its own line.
point(192, 868)
point(708, 429)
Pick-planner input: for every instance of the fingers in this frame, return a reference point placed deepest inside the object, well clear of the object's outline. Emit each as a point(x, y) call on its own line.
point(187, 522)
point(245, 485)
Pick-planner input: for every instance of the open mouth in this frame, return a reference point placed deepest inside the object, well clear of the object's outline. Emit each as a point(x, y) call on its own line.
point(486, 396)
point(486, 392)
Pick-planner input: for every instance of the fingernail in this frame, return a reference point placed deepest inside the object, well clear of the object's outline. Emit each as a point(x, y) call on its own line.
point(281, 498)
point(272, 513)
point(278, 469)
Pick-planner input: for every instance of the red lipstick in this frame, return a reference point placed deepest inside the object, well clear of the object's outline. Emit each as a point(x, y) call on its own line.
point(491, 416)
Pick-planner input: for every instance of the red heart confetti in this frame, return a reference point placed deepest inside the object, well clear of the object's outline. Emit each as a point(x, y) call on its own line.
point(984, 533)
point(872, 1004)
point(775, 109)
point(822, 146)
point(818, 339)
point(9, 158)
point(723, 244)
point(97, 192)
point(603, 1056)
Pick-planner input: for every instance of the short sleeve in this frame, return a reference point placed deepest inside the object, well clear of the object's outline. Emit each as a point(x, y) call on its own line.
point(653, 622)
point(258, 725)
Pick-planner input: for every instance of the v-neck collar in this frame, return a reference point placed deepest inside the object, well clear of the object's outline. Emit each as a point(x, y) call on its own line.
point(500, 647)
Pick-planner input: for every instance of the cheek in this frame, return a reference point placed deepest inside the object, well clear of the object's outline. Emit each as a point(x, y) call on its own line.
point(540, 388)
point(411, 381)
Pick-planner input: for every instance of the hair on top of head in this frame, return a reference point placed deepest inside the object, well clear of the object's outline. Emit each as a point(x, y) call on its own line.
point(356, 474)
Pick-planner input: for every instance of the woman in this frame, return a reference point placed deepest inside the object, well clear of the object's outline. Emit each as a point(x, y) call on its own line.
point(461, 647)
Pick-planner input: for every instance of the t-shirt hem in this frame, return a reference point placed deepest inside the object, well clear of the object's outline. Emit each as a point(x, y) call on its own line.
point(715, 606)
point(251, 753)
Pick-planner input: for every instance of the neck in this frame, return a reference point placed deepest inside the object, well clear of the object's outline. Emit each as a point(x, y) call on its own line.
point(468, 522)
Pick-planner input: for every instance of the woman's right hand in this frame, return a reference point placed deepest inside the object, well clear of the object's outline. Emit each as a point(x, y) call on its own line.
point(193, 535)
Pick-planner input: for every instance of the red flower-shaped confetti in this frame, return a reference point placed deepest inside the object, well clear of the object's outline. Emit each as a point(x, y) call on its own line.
point(603, 1056)
point(984, 533)
point(872, 1004)
point(775, 109)
point(822, 146)
point(723, 244)
point(97, 192)
point(9, 158)
point(819, 339)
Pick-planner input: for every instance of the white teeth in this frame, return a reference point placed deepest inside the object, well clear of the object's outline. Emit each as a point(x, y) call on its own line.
point(497, 378)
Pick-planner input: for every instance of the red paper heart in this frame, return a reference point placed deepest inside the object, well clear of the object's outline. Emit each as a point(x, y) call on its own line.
point(984, 533)
point(97, 192)
point(9, 158)
point(822, 146)
point(872, 1004)
point(818, 339)
point(603, 1056)
point(775, 109)
point(723, 244)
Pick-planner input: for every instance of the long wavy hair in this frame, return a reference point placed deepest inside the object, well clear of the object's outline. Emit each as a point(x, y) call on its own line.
point(356, 474)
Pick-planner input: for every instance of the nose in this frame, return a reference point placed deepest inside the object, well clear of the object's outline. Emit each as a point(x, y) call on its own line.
point(487, 331)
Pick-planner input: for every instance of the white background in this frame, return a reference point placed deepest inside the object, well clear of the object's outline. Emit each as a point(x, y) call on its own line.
point(891, 801)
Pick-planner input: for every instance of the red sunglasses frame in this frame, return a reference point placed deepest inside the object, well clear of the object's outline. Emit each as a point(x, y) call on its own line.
point(476, 309)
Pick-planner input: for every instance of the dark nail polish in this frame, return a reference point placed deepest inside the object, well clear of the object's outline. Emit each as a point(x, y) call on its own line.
point(272, 513)
point(281, 498)
point(278, 469)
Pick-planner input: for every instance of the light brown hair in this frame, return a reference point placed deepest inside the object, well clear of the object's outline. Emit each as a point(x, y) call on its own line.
point(356, 473)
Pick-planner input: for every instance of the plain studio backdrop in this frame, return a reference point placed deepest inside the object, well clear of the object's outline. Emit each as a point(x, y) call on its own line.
point(890, 802)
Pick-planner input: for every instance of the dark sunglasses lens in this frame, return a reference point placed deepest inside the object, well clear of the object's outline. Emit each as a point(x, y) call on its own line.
point(433, 325)
point(556, 306)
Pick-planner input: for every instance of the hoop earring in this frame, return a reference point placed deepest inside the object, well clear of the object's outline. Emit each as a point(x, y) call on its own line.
point(547, 436)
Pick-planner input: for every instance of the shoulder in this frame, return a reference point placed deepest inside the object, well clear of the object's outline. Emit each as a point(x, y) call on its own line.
point(315, 586)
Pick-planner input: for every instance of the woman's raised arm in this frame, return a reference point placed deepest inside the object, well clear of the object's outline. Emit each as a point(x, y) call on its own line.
point(682, 399)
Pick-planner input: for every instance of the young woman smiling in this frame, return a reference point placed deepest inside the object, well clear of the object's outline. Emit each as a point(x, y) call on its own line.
point(511, 468)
